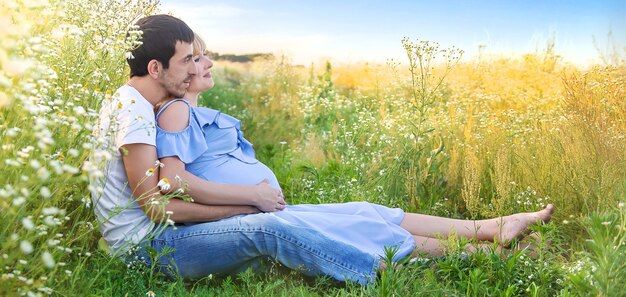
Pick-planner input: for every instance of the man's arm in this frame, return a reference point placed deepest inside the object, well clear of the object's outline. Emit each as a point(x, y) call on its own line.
point(138, 160)
point(188, 212)
point(261, 196)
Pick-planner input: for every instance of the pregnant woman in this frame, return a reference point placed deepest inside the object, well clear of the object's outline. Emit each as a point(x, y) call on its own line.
point(199, 144)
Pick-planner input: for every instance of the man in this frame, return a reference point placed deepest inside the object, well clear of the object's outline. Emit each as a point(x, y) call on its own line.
point(131, 207)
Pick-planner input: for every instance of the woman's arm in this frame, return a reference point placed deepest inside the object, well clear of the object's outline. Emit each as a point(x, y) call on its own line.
point(262, 196)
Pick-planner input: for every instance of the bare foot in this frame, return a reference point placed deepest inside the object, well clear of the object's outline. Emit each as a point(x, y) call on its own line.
point(517, 225)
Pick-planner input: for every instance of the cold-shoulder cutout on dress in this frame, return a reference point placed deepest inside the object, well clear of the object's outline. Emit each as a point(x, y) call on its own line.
point(187, 143)
point(171, 116)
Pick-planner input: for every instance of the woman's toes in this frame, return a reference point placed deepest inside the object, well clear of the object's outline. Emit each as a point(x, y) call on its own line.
point(546, 214)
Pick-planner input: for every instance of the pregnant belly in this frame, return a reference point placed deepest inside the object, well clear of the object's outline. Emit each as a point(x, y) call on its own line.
point(236, 172)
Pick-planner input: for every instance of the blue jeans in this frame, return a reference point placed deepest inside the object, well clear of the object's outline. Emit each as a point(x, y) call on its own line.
point(232, 245)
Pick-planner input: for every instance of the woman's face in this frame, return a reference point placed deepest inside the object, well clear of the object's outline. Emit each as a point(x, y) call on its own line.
point(203, 80)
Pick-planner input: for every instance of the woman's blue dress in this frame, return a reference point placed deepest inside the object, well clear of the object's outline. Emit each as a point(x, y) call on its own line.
point(213, 148)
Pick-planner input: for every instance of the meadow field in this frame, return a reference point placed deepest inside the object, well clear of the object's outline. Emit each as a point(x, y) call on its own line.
point(434, 134)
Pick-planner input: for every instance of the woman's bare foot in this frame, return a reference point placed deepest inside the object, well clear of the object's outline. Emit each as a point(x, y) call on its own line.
point(517, 225)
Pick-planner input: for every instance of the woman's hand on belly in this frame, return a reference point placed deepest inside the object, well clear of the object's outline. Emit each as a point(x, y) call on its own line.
point(268, 199)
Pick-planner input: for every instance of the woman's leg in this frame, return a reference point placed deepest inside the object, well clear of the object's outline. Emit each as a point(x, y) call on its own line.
point(434, 247)
point(502, 229)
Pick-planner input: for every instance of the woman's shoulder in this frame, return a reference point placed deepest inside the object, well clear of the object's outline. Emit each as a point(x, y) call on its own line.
point(164, 105)
point(174, 115)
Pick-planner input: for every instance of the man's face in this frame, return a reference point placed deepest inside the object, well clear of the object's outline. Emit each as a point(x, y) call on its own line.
point(182, 68)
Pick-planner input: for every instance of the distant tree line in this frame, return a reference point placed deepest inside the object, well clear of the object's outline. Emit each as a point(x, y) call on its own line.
point(240, 58)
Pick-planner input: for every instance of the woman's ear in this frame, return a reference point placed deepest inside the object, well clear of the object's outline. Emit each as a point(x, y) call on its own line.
point(154, 68)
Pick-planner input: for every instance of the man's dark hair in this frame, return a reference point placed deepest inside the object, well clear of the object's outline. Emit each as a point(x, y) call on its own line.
point(160, 33)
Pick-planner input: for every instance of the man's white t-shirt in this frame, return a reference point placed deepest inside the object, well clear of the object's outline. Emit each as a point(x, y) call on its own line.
point(126, 119)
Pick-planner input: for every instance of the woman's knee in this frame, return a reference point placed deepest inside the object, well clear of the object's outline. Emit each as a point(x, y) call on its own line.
point(263, 222)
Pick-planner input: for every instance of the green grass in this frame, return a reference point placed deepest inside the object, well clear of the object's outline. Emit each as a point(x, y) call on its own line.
point(497, 136)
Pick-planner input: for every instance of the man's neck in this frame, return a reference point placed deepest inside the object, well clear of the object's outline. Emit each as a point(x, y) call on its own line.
point(148, 88)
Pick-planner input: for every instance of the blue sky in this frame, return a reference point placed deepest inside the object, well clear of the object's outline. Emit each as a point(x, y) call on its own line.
point(352, 31)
